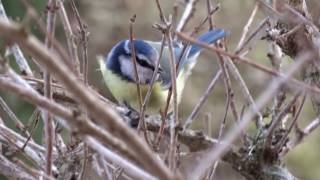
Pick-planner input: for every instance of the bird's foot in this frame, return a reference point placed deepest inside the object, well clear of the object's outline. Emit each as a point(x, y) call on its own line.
point(132, 115)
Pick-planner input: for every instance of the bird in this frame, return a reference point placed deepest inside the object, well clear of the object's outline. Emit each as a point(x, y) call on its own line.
point(119, 74)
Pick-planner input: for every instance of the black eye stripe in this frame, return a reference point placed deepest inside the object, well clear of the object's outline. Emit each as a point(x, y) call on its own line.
point(144, 63)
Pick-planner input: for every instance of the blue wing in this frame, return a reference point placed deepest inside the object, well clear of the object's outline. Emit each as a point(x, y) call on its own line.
point(189, 57)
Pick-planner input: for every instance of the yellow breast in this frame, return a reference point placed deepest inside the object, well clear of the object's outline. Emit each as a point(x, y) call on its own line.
point(125, 91)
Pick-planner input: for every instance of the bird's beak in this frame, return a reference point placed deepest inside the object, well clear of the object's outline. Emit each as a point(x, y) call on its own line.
point(160, 70)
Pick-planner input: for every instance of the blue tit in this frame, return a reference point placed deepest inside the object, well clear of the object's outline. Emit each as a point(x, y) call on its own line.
point(119, 72)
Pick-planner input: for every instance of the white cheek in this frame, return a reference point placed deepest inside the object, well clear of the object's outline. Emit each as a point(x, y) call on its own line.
point(126, 67)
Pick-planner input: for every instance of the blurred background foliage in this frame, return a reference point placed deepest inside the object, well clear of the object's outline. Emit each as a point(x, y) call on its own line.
point(108, 23)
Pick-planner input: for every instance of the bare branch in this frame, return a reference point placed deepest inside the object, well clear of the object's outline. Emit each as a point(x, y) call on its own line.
point(98, 109)
point(12, 170)
point(49, 126)
point(15, 49)
point(300, 136)
point(131, 169)
point(234, 132)
point(175, 121)
point(293, 83)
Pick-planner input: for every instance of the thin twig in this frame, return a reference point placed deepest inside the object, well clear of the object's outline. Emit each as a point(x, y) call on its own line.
point(298, 16)
point(48, 121)
point(207, 18)
point(202, 100)
point(277, 120)
point(131, 169)
point(175, 121)
point(228, 87)
point(175, 14)
point(172, 92)
point(252, 35)
point(73, 49)
point(32, 150)
point(187, 14)
point(207, 124)
point(148, 95)
point(15, 49)
point(300, 136)
point(233, 69)
point(221, 130)
point(13, 117)
point(244, 89)
point(209, 8)
point(84, 41)
point(293, 123)
point(161, 15)
point(35, 116)
point(293, 83)
point(247, 27)
point(136, 74)
point(134, 60)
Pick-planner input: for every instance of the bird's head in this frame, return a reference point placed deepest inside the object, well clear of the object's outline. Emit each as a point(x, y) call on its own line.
point(119, 61)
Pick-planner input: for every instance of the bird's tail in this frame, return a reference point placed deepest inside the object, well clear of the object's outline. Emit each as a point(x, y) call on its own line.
point(209, 37)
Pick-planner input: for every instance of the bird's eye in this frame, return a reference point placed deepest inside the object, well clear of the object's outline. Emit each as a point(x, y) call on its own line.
point(144, 63)
point(160, 70)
